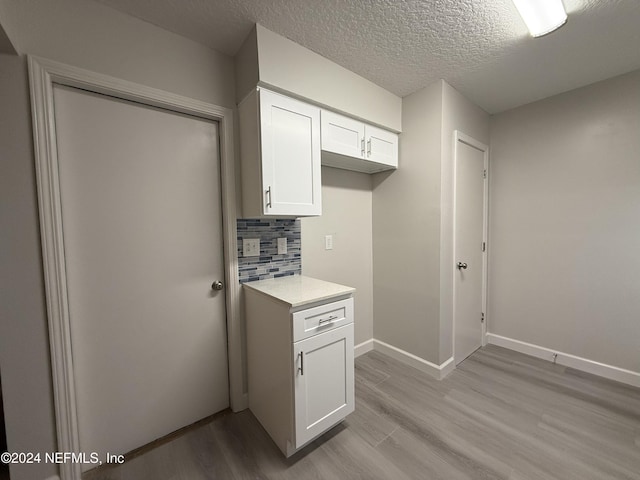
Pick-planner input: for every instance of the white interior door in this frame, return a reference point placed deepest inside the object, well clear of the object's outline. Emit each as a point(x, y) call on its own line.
point(469, 238)
point(141, 208)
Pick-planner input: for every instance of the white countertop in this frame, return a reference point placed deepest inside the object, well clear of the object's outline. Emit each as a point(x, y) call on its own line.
point(298, 290)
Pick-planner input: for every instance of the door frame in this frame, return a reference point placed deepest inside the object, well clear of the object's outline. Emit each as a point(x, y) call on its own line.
point(43, 74)
point(460, 137)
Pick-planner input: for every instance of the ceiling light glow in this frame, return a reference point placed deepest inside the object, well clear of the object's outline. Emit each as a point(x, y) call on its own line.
point(541, 16)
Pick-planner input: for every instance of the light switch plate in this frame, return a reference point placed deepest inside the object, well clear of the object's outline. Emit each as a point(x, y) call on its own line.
point(250, 247)
point(282, 246)
point(328, 242)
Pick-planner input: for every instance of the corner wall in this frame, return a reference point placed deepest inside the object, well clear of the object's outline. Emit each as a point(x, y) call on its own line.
point(413, 226)
point(406, 232)
point(6, 47)
point(564, 261)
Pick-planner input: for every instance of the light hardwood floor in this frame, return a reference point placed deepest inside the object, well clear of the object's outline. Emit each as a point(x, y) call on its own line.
point(499, 415)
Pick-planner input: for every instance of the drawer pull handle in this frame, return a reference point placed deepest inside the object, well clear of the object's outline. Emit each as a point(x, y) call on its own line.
point(268, 193)
point(325, 320)
point(301, 367)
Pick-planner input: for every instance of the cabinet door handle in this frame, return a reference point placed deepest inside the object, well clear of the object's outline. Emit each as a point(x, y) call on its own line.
point(325, 320)
point(362, 146)
point(369, 148)
point(301, 367)
point(268, 193)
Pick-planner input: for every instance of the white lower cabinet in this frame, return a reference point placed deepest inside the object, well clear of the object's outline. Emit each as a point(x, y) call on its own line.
point(324, 388)
point(300, 367)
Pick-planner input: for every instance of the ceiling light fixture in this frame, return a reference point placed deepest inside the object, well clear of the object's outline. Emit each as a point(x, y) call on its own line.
point(541, 16)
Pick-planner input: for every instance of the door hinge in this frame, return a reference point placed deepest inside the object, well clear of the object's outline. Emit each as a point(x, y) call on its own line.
point(484, 173)
point(484, 246)
point(482, 318)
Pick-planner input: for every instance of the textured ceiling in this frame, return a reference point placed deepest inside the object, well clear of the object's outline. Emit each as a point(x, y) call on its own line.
point(481, 47)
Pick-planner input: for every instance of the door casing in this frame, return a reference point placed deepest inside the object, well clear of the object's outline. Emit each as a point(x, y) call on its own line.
point(462, 137)
point(43, 75)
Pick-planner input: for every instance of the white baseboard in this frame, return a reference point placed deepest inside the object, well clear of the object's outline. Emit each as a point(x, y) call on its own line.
point(447, 367)
point(607, 371)
point(436, 371)
point(363, 348)
point(55, 477)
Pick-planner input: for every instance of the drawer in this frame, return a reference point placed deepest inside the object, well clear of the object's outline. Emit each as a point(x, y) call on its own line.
point(312, 321)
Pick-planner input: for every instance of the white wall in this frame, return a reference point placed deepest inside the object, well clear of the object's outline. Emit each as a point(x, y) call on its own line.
point(290, 67)
point(347, 215)
point(458, 113)
point(89, 35)
point(406, 232)
point(24, 347)
point(565, 223)
point(246, 65)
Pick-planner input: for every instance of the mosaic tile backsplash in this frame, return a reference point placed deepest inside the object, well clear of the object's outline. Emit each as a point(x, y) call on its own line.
point(269, 264)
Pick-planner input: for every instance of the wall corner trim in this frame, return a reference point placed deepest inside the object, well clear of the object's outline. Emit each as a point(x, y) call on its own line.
point(436, 371)
point(241, 403)
point(583, 364)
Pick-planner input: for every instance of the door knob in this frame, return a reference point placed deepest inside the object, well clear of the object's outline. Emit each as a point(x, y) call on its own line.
point(462, 266)
point(217, 285)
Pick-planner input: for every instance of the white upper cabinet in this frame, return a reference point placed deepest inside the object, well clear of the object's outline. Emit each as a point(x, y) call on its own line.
point(353, 145)
point(381, 146)
point(280, 153)
point(342, 135)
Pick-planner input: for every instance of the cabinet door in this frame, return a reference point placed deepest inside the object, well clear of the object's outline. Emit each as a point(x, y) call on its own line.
point(382, 146)
point(324, 382)
point(342, 135)
point(290, 137)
